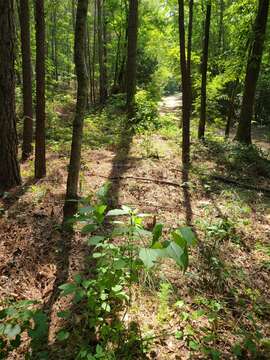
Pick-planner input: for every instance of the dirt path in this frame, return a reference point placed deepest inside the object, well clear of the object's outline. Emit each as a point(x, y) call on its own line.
point(170, 104)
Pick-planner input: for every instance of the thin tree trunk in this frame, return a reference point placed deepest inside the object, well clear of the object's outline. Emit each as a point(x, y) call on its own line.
point(89, 66)
point(71, 204)
point(94, 51)
point(252, 73)
point(9, 168)
point(40, 150)
point(186, 88)
point(132, 56)
point(190, 28)
point(104, 19)
point(221, 28)
point(202, 122)
point(102, 71)
point(231, 110)
point(27, 79)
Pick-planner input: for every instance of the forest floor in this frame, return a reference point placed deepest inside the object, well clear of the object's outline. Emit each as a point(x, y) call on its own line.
point(220, 307)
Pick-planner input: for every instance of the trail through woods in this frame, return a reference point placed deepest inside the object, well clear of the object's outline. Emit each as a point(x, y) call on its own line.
point(170, 104)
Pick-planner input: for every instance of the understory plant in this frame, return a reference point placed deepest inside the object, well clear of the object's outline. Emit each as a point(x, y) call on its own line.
point(121, 248)
point(17, 320)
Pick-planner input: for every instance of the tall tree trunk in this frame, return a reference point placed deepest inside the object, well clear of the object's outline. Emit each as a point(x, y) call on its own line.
point(132, 56)
point(27, 79)
point(71, 206)
point(190, 28)
point(105, 39)
point(202, 122)
point(9, 168)
point(221, 28)
point(94, 51)
point(40, 150)
point(54, 40)
point(186, 87)
point(102, 70)
point(252, 73)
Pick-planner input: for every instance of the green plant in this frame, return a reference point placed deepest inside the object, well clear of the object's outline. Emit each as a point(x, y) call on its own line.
point(104, 297)
point(146, 111)
point(16, 320)
point(163, 307)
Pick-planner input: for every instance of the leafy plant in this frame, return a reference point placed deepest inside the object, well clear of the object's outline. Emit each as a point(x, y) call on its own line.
point(17, 319)
point(104, 297)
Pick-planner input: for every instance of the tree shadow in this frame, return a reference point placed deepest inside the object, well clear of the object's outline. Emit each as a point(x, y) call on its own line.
point(186, 195)
point(11, 198)
point(62, 273)
point(120, 164)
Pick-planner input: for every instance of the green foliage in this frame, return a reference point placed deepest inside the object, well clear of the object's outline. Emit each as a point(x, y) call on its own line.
point(163, 306)
point(18, 319)
point(106, 294)
point(146, 111)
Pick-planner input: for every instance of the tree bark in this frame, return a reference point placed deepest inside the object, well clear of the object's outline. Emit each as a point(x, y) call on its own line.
point(9, 168)
point(190, 28)
point(221, 28)
point(102, 69)
point(40, 150)
point(71, 204)
point(243, 134)
point(186, 87)
point(27, 80)
point(132, 56)
point(202, 122)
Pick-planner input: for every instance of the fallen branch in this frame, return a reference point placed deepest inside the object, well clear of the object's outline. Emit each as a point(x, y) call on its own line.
point(240, 184)
point(157, 181)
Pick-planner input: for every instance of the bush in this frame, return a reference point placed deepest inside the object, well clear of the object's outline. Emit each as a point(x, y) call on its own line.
point(146, 111)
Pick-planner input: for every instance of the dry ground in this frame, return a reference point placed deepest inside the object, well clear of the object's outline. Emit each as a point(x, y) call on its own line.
point(237, 277)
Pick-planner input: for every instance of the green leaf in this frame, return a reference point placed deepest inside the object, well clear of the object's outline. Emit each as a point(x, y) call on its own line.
point(100, 209)
point(119, 264)
point(41, 326)
point(11, 331)
point(86, 210)
point(175, 252)
point(118, 212)
point(180, 241)
point(157, 232)
point(62, 335)
point(150, 256)
point(16, 343)
point(194, 345)
point(3, 314)
point(117, 288)
point(67, 289)
point(64, 314)
point(188, 235)
point(88, 228)
point(94, 240)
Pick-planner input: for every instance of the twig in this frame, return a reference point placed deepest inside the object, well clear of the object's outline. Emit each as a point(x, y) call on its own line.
point(240, 184)
point(158, 181)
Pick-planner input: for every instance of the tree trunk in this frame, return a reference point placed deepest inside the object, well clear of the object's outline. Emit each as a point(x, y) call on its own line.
point(40, 151)
point(186, 87)
point(190, 28)
point(71, 206)
point(221, 28)
point(27, 80)
point(252, 73)
point(9, 168)
point(102, 69)
point(202, 122)
point(132, 56)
